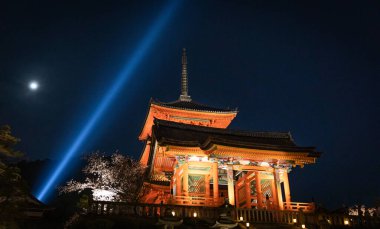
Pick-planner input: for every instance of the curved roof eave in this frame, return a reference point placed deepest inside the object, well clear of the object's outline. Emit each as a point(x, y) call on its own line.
point(193, 106)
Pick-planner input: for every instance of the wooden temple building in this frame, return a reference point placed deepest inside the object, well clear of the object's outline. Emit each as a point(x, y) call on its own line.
point(194, 159)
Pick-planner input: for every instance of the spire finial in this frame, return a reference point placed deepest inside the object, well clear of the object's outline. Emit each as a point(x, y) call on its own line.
point(184, 80)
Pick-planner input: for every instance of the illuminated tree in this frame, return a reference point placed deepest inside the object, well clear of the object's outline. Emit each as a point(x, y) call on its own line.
point(114, 178)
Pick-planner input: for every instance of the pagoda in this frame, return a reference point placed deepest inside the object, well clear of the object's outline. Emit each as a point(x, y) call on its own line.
point(194, 159)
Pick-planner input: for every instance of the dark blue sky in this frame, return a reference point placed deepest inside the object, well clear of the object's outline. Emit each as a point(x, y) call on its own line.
point(309, 67)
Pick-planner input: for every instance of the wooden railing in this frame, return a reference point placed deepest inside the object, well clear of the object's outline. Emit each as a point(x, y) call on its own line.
point(196, 201)
point(151, 210)
point(266, 216)
point(248, 215)
point(297, 206)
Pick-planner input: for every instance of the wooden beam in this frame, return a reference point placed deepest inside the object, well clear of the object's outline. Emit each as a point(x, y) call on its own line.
point(252, 168)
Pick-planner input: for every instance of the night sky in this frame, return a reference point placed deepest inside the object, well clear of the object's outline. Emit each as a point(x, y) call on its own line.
point(312, 68)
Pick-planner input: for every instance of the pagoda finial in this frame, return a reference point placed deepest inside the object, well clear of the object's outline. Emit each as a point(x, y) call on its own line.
point(184, 80)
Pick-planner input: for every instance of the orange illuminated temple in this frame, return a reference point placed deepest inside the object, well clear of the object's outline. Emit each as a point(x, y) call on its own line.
point(193, 159)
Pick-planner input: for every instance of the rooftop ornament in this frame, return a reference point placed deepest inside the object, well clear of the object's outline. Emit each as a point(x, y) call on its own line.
point(184, 79)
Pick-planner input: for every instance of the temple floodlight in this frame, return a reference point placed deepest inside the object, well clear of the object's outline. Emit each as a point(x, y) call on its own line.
point(121, 79)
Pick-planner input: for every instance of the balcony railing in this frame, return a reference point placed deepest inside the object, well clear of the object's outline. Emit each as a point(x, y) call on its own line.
point(151, 210)
point(248, 215)
point(196, 201)
point(297, 206)
point(266, 216)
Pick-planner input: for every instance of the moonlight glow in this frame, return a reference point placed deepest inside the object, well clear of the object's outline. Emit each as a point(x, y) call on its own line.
point(33, 85)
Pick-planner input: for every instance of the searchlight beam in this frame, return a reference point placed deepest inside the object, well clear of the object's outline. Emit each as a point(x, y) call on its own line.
point(120, 81)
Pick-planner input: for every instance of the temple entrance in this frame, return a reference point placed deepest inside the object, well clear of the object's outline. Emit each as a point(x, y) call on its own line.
point(256, 189)
point(191, 184)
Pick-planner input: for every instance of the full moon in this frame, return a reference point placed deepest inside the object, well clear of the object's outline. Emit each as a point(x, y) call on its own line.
point(33, 85)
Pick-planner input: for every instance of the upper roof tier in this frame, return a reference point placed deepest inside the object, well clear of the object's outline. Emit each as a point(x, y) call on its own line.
point(193, 106)
point(184, 110)
point(187, 112)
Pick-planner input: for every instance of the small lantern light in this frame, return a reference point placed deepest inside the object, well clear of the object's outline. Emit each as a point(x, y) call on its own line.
point(195, 214)
point(303, 226)
point(329, 221)
point(294, 220)
point(247, 224)
point(346, 222)
point(173, 213)
point(241, 218)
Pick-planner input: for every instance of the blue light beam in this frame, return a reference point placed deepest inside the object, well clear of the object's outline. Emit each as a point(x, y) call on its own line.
point(121, 79)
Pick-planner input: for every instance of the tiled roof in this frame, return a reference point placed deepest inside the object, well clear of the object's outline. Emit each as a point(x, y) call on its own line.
point(191, 105)
point(174, 133)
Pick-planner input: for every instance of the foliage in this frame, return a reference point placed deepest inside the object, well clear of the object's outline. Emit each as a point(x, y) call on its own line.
point(13, 190)
point(114, 178)
point(12, 194)
point(7, 142)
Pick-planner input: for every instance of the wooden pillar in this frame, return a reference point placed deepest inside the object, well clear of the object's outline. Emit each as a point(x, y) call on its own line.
point(259, 192)
point(173, 186)
point(274, 192)
point(207, 184)
point(237, 194)
point(286, 187)
point(230, 181)
point(186, 179)
point(216, 181)
point(247, 183)
point(277, 181)
point(178, 187)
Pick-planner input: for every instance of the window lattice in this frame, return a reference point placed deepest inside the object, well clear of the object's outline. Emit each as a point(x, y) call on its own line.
point(197, 184)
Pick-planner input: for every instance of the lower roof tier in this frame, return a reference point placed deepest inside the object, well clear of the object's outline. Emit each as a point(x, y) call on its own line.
point(206, 138)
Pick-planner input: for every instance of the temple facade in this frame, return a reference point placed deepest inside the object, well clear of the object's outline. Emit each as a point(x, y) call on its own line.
point(194, 159)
